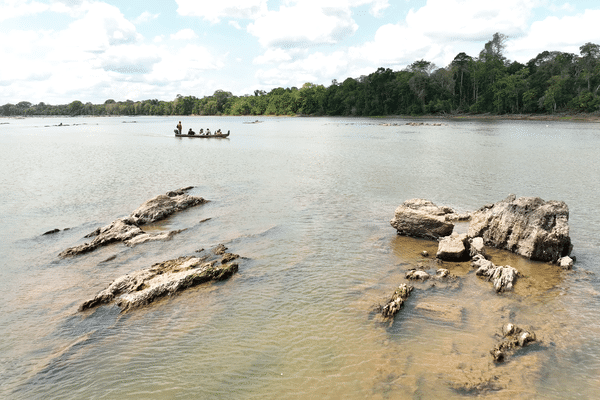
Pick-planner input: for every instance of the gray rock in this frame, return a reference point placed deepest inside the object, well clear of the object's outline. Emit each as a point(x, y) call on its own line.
point(128, 229)
point(514, 338)
point(528, 226)
point(421, 218)
point(476, 246)
point(417, 275)
point(393, 305)
point(502, 277)
point(144, 286)
point(565, 262)
point(453, 248)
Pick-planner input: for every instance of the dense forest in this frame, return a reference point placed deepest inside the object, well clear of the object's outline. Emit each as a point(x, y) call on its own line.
point(550, 82)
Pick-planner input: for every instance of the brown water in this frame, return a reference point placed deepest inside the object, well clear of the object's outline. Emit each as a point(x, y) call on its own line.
point(307, 202)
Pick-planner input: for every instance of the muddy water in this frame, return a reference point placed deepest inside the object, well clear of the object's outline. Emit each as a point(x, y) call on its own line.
point(307, 203)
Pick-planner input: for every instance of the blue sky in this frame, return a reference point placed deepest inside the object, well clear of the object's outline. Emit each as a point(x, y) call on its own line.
point(58, 51)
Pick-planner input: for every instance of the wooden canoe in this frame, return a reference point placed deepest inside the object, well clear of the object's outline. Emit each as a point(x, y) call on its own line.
point(212, 135)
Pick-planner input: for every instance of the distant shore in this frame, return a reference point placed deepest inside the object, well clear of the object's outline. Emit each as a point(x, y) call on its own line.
point(579, 117)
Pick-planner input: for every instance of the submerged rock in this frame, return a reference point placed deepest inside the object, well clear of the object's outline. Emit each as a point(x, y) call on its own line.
point(453, 248)
point(127, 228)
point(529, 226)
point(514, 337)
point(417, 275)
point(144, 286)
point(421, 218)
point(502, 277)
point(393, 305)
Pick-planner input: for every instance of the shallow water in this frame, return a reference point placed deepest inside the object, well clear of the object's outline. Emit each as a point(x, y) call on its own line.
point(307, 203)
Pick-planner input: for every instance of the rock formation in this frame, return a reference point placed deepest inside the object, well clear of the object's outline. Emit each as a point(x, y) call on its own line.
point(515, 337)
point(144, 286)
point(128, 229)
point(421, 218)
point(502, 277)
point(528, 226)
point(395, 302)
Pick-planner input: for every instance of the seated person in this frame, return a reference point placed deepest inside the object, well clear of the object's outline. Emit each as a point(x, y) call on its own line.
point(191, 132)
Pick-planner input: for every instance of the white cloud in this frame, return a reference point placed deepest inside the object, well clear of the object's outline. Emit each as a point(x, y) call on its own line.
point(304, 24)
point(471, 19)
point(273, 56)
point(556, 34)
point(184, 34)
point(145, 17)
point(19, 8)
point(235, 24)
point(213, 11)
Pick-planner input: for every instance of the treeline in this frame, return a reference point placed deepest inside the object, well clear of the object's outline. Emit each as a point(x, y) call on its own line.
point(550, 82)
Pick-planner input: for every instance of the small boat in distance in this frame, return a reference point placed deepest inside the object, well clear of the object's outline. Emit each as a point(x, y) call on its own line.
point(201, 135)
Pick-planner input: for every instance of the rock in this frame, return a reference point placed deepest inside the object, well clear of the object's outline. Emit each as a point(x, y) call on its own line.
point(144, 286)
point(502, 277)
point(425, 253)
point(476, 246)
point(395, 302)
point(417, 275)
point(528, 226)
point(441, 310)
point(127, 228)
point(514, 337)
point(565, 262)
point(442, 273)
point(453, 248)
point(421, 218)
point(50, 232)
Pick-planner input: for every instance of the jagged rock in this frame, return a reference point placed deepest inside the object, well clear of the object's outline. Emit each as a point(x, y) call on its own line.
point(127, 228)
point(144, 286)
point(417, 275)
point(453, 248)
point(476, 246)
point(528, 226)
point(565, 262)
point(395, 302)
point(502, 277)
point(515, 337)
point(421, 218)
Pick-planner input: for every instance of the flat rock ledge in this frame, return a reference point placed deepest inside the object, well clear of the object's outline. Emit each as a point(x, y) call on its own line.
point(514, 338)
point(529, 226)
point(128, 229)
point(502, 277)
point(144, 286)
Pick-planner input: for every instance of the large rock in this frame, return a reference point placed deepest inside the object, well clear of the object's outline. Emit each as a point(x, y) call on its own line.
point(144, 286)
point(453, 248)
point(128, 229)
point(393, 305)
point(421, 218)
point(529, 226)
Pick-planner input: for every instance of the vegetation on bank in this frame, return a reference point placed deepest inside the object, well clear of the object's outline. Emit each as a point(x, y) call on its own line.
point(549, 83)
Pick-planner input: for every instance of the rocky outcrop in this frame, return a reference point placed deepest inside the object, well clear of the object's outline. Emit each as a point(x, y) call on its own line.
point(528, 226)
point(421, 218)
point(144, 286)
point(502, 277)
point(514, 338)
point(128, 229)
point(453, 248)
point(393, 305)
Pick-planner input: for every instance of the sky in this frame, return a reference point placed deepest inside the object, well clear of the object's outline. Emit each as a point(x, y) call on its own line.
point(59, 51)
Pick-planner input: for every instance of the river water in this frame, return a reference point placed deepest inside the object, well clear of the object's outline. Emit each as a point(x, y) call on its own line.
point(306, 202)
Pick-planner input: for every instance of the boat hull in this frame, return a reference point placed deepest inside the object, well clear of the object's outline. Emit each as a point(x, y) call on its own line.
point(223, 135)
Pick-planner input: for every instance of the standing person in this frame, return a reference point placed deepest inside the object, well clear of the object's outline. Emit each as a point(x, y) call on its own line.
point(179, 127)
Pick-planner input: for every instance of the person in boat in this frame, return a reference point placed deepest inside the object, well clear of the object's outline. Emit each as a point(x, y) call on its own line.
point(191, 132)
point(207, 131)
point(201, 131)
point(179, 127)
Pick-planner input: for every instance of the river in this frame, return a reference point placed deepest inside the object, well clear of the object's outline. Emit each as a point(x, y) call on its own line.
point(306, 203)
